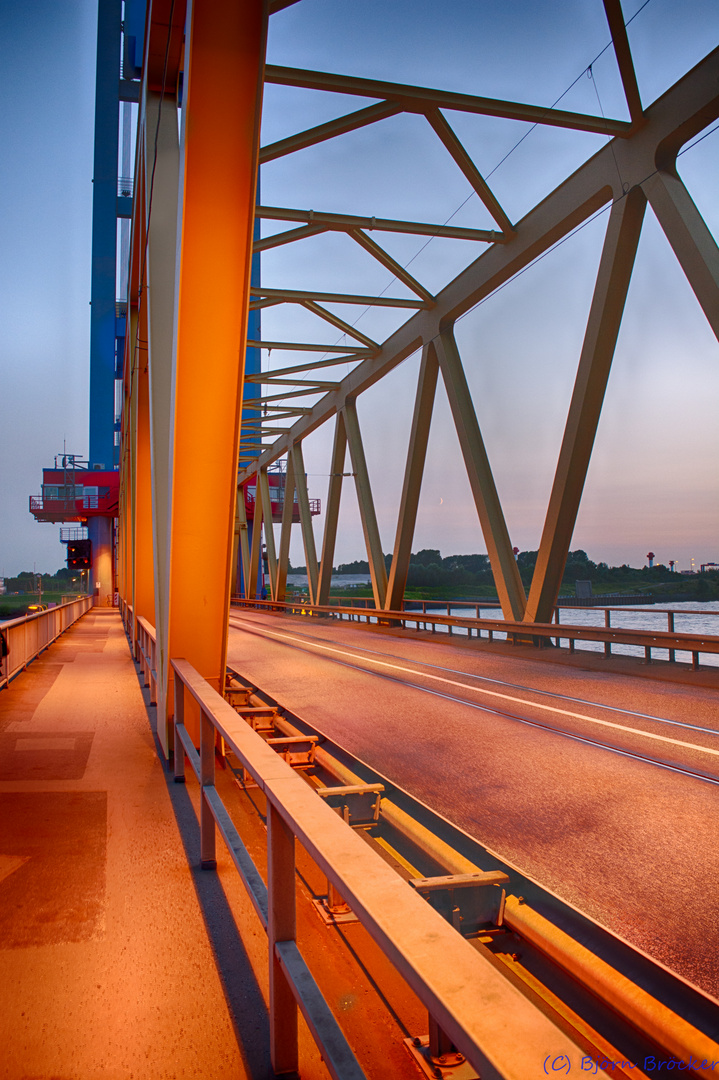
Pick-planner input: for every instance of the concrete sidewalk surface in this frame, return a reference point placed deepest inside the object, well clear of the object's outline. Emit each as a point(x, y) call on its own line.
point(106, 966)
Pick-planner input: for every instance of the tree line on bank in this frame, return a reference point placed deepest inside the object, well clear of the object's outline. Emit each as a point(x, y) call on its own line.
point(61, 581)
point(427, 568)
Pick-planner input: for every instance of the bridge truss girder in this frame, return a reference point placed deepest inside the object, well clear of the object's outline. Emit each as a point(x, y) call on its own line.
point(190, 295)
point(636, 167)
point(188, 299)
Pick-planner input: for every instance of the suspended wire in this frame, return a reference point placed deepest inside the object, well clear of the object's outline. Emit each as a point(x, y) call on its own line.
point(590, 75)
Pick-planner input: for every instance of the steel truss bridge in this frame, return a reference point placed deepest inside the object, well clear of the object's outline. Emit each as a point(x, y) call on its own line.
point(190, 299)
point(193, 408)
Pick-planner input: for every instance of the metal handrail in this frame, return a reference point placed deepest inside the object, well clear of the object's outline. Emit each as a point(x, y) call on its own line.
point(30, 635)
point(491, 602)
point(517, 632)
point(499, 1030)
point(146, 655)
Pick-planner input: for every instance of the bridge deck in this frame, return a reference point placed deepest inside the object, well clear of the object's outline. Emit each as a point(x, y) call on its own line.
point(120, 957)
point(106, 968)
point(601, 786)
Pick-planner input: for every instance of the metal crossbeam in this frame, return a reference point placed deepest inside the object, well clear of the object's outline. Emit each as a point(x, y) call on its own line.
point(304, 346)
point(420, 99)
point(344, 222)
point(283, 296)
point(330, 130)
point(333, 362)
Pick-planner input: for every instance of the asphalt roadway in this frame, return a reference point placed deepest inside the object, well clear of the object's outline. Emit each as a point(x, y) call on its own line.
point(602, 787)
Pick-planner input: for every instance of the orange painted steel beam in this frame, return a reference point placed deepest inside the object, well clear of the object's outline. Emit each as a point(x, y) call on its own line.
point(164, 45)
point(225, 46)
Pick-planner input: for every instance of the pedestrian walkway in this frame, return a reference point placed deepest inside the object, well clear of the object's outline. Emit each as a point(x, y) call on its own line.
point(108, 936)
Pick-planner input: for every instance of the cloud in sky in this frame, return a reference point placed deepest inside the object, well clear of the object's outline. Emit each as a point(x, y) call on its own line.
point(653, 478)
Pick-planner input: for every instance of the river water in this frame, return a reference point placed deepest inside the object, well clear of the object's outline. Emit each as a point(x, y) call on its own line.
point(690, 618)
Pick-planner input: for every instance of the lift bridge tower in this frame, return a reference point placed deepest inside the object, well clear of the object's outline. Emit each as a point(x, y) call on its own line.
point(81, 492)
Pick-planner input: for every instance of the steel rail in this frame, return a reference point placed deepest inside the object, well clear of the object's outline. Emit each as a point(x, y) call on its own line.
point(489, 1020)
point(29, 635)
point(516, 632)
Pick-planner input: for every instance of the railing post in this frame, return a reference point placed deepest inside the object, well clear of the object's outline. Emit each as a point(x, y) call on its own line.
point(208, 853)
point(607, 623)
point(145, 652)
point(670, 630)
point(281, 926)
point(179, 718)
point(153, 672)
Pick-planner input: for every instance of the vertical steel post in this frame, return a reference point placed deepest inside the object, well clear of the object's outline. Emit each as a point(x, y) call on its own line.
point(208, 838)
point(605, 316)
point(288, 508)
point(179, 718)
point(144, 578)
point(161, 156)
point(222, 88)
point(243, 539)
point(334, 492)
point(256, 547)
point(263, 485)
point(281, 926)
point(414, 470)
point(235, 584)
point(375, 557)
point(510, 589)
point(308, 535)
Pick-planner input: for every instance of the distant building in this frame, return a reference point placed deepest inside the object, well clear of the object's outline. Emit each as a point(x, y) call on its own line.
point(2, 585)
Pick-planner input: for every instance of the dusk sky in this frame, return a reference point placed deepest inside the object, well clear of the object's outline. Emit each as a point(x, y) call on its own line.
point(653, 483)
